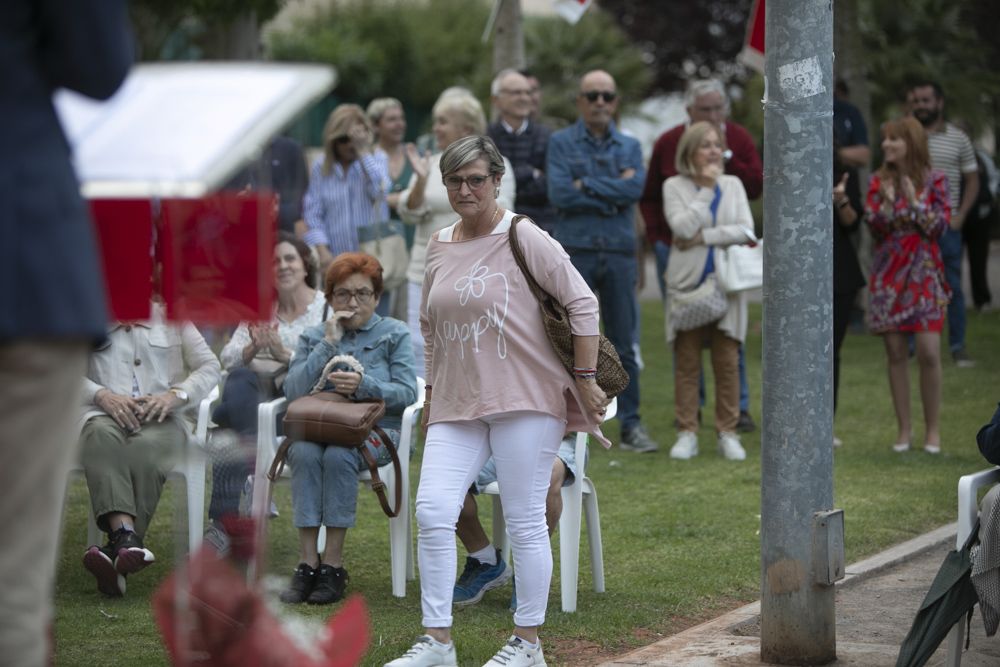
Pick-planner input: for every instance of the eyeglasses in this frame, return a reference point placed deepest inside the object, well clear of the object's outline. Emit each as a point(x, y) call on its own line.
point(515, 92)
point(363, 295)
point(606, 95)
point(475, 182)
point(343, 139)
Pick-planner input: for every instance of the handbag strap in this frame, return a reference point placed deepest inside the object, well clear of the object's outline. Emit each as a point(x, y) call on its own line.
point(540, 294)
point(378, 486)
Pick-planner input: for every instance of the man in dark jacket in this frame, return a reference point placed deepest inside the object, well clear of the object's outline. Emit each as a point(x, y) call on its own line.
point(51, 300)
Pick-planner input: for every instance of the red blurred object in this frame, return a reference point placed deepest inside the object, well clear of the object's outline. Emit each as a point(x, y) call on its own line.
point(753, 45)
point(217, 255)
point(125, 235)
point(208, 616)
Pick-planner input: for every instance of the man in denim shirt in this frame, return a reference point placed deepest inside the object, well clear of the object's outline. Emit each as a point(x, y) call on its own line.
point(595, 178)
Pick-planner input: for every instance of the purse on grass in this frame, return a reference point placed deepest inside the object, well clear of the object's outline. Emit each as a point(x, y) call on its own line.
point(331, 419)
point(611, 375)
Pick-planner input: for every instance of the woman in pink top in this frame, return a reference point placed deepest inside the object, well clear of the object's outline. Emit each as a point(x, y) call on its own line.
point(495, 387)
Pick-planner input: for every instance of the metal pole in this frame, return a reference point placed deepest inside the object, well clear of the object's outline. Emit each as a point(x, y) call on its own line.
point(798, 544)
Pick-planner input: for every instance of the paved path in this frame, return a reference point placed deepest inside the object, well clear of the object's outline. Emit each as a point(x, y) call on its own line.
point(875, 606)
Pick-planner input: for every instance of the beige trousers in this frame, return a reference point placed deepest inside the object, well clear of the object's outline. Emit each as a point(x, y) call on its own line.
point(725, 370)
point(40, 386)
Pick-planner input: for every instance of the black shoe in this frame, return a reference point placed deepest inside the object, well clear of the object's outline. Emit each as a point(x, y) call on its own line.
point(100, 563)
point(746, 423)
point(128, 553)
point(303, 582)
point(330, 584)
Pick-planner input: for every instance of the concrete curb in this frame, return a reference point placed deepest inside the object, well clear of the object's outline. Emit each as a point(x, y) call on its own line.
point(898, 554)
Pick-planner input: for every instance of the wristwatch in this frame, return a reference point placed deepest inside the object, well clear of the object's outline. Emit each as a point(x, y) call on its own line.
point(179, 393)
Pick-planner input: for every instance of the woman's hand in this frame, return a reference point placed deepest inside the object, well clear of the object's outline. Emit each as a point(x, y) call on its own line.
point(909, 191)
point(840, 191)
point(685, 244)
point(158, 406)
point(345, 382)
point(420, 163)
point(888, 192)
point(123, 409)
point(333, 330)
point(710, 173)
point(361, 138)
point(595, 401)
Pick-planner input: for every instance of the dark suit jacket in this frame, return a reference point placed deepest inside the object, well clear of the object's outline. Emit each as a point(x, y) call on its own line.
point(51, 284)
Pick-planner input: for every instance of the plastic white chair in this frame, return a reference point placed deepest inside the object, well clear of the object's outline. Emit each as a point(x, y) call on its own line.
point(400, 527)
point(579, 501)
point(190, 468)
point(968, 512)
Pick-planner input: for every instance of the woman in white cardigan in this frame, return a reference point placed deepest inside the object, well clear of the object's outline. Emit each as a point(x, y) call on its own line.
point(705, 209)
point(424, 203)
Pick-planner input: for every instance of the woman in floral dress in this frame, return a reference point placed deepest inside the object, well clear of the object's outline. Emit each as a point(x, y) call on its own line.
point(907, 210)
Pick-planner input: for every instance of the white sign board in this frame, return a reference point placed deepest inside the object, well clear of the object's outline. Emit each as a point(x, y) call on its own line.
point(183, 129)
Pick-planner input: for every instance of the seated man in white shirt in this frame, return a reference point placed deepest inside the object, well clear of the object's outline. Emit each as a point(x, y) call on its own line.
point(141, 393)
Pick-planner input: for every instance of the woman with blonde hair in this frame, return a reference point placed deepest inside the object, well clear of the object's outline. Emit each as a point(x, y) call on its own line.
point(706, 209)
point(907, 210)
point(347, 185)
point(425, 204)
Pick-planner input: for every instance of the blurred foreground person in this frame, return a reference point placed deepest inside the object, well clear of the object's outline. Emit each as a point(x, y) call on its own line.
point(51, 303)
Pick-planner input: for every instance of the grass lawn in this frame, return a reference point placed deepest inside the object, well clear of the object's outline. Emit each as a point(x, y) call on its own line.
point(680, 538)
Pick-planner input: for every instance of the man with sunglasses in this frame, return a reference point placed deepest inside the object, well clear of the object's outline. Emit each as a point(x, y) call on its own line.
point(595, 177)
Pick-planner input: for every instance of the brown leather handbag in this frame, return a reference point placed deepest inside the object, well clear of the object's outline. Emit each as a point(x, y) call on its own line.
point(611, 375)
point(331, 419)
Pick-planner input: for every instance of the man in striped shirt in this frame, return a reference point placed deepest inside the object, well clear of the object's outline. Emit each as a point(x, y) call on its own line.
point(952, 153)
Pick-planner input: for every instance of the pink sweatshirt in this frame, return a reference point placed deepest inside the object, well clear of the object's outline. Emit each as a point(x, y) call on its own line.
point(486, 348)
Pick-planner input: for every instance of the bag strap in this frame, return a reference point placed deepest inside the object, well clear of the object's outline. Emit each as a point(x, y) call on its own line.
point(540, 294)
point(378, 486)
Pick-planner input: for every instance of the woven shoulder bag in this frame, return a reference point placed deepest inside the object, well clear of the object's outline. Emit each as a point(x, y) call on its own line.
point(611, 375)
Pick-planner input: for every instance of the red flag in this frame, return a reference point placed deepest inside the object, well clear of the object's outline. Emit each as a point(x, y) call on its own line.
point(217, 254)
point(753, 47)
point(124, 230)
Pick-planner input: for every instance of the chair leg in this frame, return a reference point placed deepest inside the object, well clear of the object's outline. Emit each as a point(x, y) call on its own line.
point(569, 545)
point(398, 544)
point(194, 478)
point(593, 516)
point(321, 541)
point(955, 639)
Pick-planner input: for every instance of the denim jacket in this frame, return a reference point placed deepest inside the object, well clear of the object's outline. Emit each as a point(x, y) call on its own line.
point(598, 216)
point(383, 347)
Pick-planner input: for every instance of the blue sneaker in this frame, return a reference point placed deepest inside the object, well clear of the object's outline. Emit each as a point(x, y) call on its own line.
point(477, 578)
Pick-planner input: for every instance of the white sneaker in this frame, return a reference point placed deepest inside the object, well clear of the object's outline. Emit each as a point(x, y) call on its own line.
point(515, 653)
point(730, 447)
point(427, 653)
point(685, 447)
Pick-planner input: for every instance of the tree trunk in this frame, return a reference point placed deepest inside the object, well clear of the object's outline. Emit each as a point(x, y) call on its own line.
point(508, 37)
point(237, 39)
point(849, 61)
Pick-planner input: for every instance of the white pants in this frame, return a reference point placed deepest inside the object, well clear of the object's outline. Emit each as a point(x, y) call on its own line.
point(523, 444)
point(413, 298)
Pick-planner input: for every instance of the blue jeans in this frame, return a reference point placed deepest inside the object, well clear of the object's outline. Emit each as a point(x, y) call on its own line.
point(325, 481)
point(662, 252)
point(613, 277)
point(951, 255)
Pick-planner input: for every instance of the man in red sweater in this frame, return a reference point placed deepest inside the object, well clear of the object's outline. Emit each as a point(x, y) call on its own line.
point(705, 100)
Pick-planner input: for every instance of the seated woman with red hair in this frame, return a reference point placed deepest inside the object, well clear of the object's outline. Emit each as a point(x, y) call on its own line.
point(377, 362)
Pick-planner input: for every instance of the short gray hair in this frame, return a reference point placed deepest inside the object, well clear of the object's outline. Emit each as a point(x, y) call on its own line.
point(700, 87)
point(469, 149)
point(498, 80)
point(379, 106)
point(465, 105)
